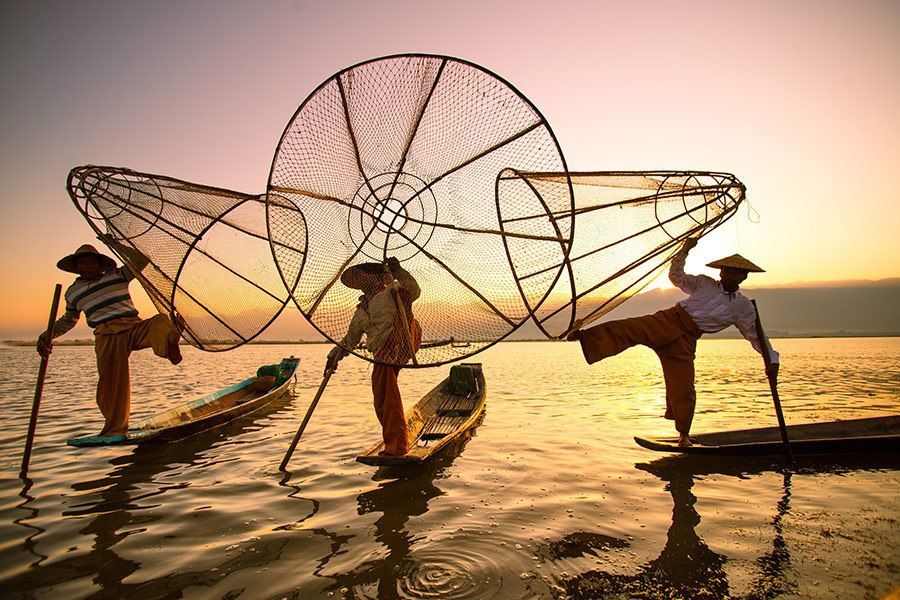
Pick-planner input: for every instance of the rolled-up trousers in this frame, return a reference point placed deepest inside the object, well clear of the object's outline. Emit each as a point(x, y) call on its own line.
point(672, 334)
point(113, 342)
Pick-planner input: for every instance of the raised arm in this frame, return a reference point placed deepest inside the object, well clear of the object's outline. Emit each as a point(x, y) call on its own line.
point(404, 279)
point(134, 258)
point(686, 283)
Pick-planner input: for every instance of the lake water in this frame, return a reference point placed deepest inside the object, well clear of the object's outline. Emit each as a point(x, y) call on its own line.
point(550, 498)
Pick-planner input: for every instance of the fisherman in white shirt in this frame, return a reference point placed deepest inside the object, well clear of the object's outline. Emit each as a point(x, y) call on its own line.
point(673, 333)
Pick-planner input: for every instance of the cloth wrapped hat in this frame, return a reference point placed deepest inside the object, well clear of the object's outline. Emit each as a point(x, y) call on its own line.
point(735, 261)
point(361, 275)
point(67, 263)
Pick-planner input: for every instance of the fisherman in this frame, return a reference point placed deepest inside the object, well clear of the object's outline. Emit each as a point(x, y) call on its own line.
point(673, 333)
point(101, 293)
point(392, 336)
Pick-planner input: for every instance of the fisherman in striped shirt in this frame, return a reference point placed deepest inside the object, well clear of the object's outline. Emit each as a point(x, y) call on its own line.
point(101, 293)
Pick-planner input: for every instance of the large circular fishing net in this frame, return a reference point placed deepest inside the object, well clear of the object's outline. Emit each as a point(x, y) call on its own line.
point(429, 160)
point(209, 253)
point(627, 227)
point(398, 157)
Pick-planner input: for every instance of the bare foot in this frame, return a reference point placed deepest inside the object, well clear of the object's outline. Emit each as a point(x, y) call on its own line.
point(684, 441)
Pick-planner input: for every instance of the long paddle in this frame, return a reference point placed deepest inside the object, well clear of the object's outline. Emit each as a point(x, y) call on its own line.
point(773, 384)
point(39, 387)
point(309, 412)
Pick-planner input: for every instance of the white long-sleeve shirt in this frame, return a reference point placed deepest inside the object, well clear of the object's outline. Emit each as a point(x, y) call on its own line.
point(376, 322)
point(712, 308)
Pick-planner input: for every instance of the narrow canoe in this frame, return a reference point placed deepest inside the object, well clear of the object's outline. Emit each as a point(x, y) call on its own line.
point(199, 415)
point(857, 436)
point(438, 420)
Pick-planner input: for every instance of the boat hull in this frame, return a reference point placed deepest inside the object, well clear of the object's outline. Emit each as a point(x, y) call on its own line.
point(197, 416)
point(858, 436)
point(439, 410)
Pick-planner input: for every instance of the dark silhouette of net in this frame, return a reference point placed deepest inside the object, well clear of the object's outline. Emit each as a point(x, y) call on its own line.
point(209, 251)
point(398, 157)
point(627, 226)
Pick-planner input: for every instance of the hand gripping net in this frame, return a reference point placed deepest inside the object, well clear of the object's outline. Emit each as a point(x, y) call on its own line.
point(627, 226)
point(210, 255)
point(399, 157)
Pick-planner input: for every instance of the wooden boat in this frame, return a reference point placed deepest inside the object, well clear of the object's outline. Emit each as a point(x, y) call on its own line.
point(438, 420)
point(202, 414)
point(875, 434)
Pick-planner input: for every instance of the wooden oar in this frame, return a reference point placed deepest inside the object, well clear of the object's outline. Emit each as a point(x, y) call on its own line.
point(773, 384)
point(39, 387)
point(309, 412)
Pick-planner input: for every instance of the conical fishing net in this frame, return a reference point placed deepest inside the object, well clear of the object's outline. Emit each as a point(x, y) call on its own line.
point(627, 226)
point(429, 160)
point(399, 157)
point(210, 258)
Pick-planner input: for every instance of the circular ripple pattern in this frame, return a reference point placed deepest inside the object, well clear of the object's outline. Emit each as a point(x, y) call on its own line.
point(400, 157)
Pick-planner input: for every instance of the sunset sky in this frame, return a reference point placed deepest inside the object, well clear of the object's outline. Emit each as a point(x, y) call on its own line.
point(799, 100)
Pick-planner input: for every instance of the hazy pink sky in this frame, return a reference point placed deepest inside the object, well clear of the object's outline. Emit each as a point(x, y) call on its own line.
point(798, 99)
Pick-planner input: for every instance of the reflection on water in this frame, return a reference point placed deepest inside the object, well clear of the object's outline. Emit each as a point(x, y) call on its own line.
point(550, 498)
point(687, 567)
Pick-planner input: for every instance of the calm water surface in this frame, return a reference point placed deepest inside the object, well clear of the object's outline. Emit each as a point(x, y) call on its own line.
point(550, 498)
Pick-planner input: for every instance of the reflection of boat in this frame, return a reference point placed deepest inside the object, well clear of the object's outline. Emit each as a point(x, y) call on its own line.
point(207, 412)
point(437, 420)
point(876, 434)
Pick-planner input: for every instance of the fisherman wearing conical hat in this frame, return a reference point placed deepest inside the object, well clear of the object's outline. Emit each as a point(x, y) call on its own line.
point(711, 306)
point(392, 336)
point(101, 293)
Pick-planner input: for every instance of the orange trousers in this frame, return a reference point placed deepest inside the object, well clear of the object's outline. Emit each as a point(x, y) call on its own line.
point(673, 335)
point(113, 342)
point(389, 409)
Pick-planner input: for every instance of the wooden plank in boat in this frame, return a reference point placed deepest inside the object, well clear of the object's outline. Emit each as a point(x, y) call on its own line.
point(856, 436)
point(436, 421)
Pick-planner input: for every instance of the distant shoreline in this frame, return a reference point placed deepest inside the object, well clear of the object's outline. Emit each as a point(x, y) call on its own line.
point(728, 336)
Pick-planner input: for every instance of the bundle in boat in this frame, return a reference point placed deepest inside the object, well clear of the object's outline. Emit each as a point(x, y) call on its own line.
point(211, 260)
point(399, 157)
point(618, 234)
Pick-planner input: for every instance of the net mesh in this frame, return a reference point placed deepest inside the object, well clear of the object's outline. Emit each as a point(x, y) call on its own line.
point(427, 159)
point(211, 260)
point(627, 226)
point(398, 157)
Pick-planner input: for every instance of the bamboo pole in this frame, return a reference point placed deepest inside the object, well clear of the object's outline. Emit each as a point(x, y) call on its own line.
point(773, 384)
point(39, 387)
point(287, 457)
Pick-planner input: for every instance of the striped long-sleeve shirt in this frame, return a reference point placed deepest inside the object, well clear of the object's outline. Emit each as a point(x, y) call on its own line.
point(102, 299)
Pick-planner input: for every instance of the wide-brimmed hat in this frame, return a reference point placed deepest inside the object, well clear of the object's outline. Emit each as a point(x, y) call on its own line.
point(735, 261)
point(362, 275)
point(67, 263)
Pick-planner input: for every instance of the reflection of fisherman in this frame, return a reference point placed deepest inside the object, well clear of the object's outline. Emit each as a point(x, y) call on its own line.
point(391, 337)
point(101, 293)
point(673, 333)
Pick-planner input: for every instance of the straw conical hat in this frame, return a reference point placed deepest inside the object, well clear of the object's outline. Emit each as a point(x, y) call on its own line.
point(735, 261)
point(67, 263)
point(358, 276)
